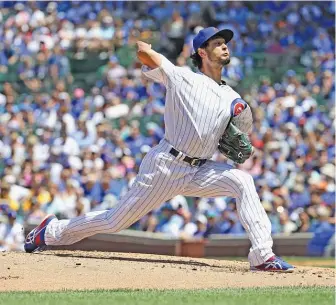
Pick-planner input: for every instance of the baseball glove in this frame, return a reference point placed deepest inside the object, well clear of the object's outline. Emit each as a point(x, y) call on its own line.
point(235, 145)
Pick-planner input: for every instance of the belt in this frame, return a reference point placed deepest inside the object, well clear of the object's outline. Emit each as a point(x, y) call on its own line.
point(191, 161)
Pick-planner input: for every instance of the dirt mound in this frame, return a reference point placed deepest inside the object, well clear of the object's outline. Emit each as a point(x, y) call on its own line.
point(56, 270)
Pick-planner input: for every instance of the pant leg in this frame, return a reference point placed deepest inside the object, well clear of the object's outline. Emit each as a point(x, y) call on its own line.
point(160, 178)
point(216, 179)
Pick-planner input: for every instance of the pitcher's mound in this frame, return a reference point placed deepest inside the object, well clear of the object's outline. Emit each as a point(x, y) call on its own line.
point(56, 270)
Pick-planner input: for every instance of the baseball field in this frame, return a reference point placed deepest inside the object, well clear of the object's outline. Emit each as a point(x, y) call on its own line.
point(77, 277)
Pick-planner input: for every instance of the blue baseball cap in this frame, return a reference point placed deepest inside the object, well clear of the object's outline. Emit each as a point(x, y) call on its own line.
point(114, 59)
point(168, 206)
point(207, 33)
point(11, 214)
point(290, 73)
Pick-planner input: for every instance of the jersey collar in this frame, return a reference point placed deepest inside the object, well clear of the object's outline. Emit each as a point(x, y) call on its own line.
point(223, 82)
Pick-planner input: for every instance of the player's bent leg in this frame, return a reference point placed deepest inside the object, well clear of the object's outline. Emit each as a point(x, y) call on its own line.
point(217, 179)
point(253, 217)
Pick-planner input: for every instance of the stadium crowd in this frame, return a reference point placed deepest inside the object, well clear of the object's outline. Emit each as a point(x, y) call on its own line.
point(61, 152)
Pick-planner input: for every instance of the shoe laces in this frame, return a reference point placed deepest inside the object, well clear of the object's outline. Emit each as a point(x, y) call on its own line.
point(30, 239)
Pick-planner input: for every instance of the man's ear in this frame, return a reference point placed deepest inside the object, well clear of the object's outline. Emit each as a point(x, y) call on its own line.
point(201, 52)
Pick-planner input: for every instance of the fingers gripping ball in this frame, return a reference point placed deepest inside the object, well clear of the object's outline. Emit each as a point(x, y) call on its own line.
point(235, 145)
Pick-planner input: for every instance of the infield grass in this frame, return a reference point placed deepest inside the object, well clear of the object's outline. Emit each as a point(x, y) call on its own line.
point(253, 296)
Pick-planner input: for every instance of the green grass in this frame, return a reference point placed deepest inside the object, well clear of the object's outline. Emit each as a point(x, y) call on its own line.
point(259, 296)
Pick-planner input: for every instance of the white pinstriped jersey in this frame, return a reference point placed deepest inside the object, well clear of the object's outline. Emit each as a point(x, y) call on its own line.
point(197, 108)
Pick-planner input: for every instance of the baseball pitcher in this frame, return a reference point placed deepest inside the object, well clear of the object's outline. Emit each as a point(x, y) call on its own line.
point(202, 114)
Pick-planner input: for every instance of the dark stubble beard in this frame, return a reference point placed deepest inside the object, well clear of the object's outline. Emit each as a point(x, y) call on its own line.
point(226, 61)
point(222, 62)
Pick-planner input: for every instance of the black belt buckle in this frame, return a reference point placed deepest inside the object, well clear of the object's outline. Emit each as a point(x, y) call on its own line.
point(195, 162)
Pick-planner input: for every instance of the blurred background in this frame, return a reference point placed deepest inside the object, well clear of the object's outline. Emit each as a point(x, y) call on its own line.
point(76, 117)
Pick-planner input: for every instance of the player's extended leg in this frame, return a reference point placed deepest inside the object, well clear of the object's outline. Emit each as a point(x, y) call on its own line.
point(138, 201)
point(215, 179)
point(160, 178)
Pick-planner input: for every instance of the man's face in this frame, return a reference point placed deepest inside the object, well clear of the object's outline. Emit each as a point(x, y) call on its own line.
point(217, 52)
point(201, 226)
point(11, 220)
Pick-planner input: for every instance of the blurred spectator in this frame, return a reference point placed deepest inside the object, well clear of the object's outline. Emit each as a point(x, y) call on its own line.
point(11, 233)
point(287, 226)
point(229, 224)
point(323, 231)
point(195, 229)
point(303, 222)
point(114, 69)
point(169, 221)
point(6, 198)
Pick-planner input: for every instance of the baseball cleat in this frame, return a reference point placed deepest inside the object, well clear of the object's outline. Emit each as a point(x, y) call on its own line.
point(34, 241)
point(274, 264)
